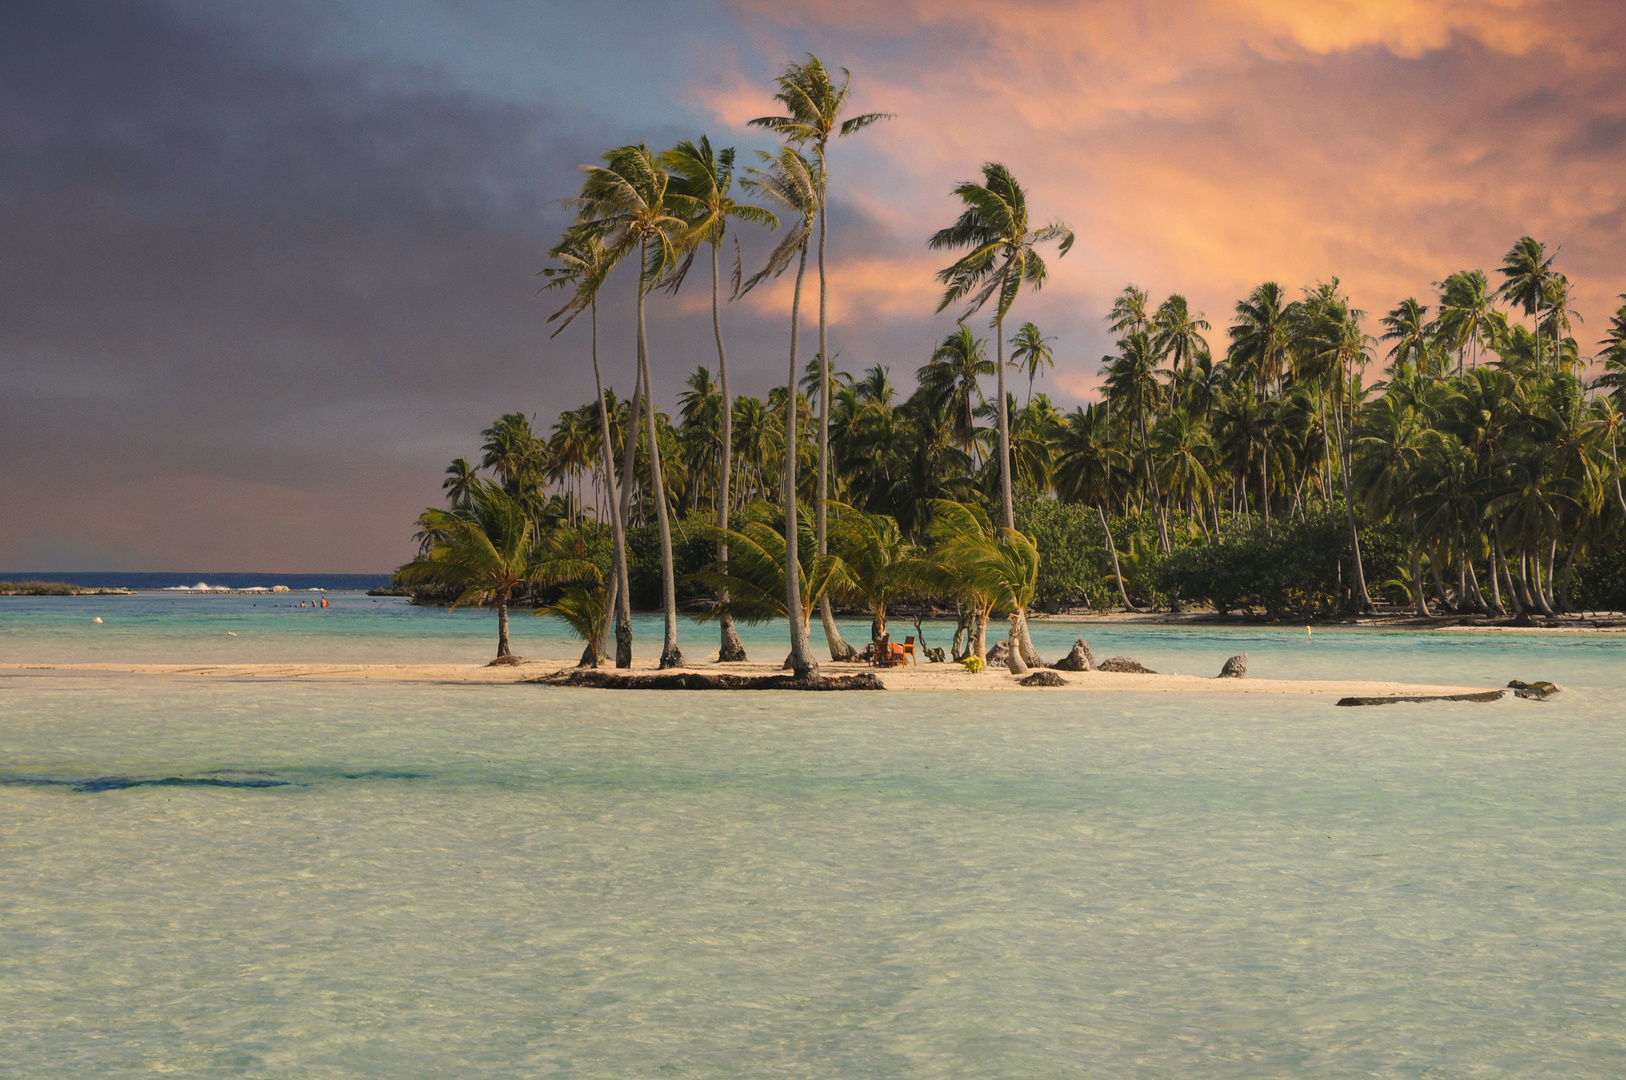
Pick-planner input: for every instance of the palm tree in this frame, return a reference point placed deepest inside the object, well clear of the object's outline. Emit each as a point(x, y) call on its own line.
point(878, 562)
point(1031, 350)
point(754, 580)
point(793, 182)
point(486, 552)
point(704, 181)
point(1177, 334)
point(1261, 334)
point(1090, 470)
point(1408, 327)
point(1132, 380)
point(460, 482)
point(1129, 311)
point(1529, 275)
point(585, 264)
point(1004, 256)
point(625, 204)
point(1466, 320)
point(951, 378)
point(813, 104)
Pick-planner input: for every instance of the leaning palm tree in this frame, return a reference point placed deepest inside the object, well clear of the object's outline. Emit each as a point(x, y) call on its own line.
point(625, 204)
point(878, 560)
point(1003, 257)
point(1031, 350)
point(584, 264)
point(487, 552)
point(793, 182)
point(703, 189)
point(755, 579)
point(813, 105)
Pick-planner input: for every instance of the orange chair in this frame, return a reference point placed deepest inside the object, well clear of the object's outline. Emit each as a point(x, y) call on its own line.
point(909, 649)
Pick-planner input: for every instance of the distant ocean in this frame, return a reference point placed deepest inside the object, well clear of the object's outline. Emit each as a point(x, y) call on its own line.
point(121, 579)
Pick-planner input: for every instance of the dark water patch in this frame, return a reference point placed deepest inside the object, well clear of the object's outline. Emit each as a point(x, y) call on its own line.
point(380, 774)
point(123, 783)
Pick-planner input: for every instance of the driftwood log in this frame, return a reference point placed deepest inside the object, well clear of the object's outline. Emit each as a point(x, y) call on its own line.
point(600, 679)
point(1485, 695)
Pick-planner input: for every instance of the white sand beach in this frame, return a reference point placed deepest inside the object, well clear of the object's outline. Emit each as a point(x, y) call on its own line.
point(929, 677)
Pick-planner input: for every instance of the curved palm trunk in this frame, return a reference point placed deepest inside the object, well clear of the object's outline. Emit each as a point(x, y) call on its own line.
point(839, 649)
point(1025, 641)
point(1007, 501)
point(1614, 458)
point(1362, 599)
point(502, 625)
point(1498, 554)
point(730, 647)
point(801, 652)
point(1151, 484)
point(617, 597)
point(629, 463)
point(1117, 572)
point(671, 656)
point(1013, 655)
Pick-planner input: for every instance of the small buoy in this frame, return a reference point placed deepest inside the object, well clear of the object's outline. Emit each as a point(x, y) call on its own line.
point(231, 633)
point(98, 618)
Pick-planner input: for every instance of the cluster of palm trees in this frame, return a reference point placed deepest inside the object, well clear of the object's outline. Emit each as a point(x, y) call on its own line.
point(1482, 440)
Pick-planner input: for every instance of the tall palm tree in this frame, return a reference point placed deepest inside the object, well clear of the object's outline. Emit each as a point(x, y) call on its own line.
point(1178, 334)
point(813, 105)
point(1003, 257)
point(1090, 469)
point(1261, 335)
point(878, 562)
point(487, 552)
point(584, 265)
point(1467, 323)
point(951, 378)
point(625, 204)
point(1031, 350)
point(1132, 380)
point(703, 185)
point(461, 479)
point(1528, 279)
point(1129, 311)
point(793, 182)
point(1408, 327)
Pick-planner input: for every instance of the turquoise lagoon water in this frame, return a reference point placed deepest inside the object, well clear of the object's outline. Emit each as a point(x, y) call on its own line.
point(227, 878)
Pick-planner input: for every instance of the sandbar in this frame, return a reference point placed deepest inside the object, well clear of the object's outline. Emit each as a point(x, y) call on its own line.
point(927, 677)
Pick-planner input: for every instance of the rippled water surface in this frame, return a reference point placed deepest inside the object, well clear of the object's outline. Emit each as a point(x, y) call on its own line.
point(346, 880)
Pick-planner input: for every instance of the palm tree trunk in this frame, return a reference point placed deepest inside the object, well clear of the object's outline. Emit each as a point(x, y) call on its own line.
point(839, 649)
point(801, 652)
point(617, 598)
point(1569, 572)
point(1439, 585)
point(1024, 640)
point(1264, 480)
point(1499, 554)
point(1117, 573)
point(730, 648)
point(502, 626)
point(1362, 599)
point(979, 634)
point(1475, 593)
point(1007, 502)
point(1417, 587)
point(1614, 459)
point(1151, 485)
point(1013, 655)
point(671, 656)
point(1551, 577)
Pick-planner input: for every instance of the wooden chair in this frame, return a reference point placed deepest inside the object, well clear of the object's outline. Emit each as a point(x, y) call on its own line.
point(909, 649)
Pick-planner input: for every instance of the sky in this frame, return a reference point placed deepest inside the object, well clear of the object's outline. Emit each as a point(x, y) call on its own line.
point(265, 268)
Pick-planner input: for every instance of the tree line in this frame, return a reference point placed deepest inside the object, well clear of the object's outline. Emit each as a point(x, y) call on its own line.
point(1476, 464)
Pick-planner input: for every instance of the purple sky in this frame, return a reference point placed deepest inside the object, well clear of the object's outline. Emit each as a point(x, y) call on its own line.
point(265, 272)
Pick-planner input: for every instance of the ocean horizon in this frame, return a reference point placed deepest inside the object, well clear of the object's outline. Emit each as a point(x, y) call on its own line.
point(191, 579)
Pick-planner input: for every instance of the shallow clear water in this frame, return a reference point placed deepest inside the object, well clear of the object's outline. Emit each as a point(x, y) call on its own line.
point(502, 881)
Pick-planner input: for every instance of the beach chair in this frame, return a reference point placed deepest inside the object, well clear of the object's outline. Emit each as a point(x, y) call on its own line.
point(909, 649)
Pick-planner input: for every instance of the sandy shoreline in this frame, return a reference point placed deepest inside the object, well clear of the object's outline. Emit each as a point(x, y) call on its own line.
point(931, 677)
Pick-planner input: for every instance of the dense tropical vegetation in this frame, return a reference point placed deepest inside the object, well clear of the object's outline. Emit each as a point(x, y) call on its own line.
point(1456, 455)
